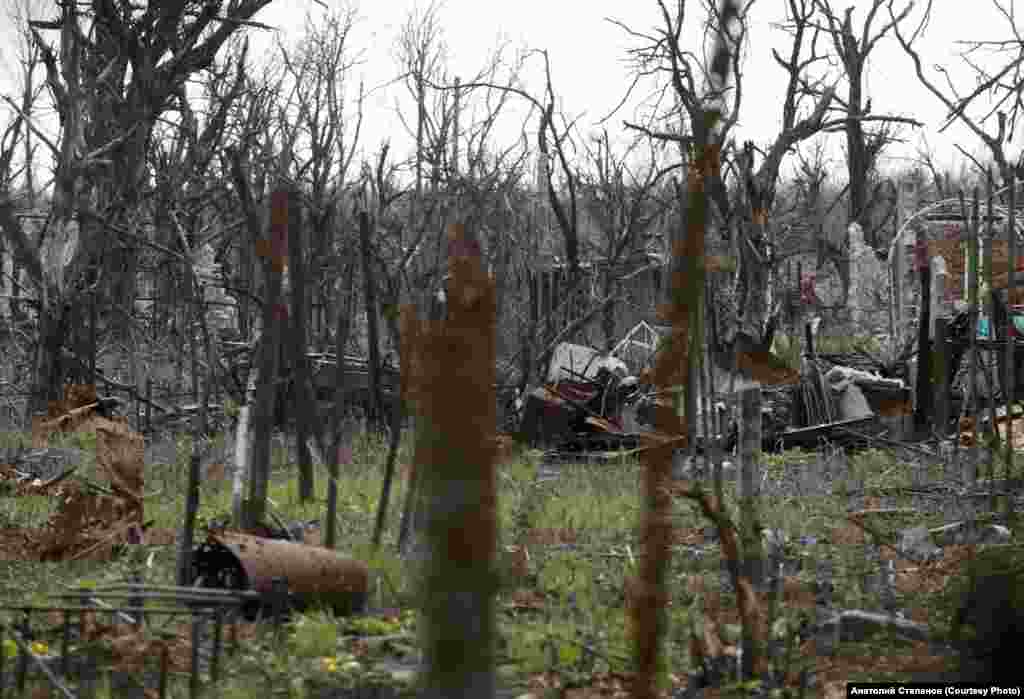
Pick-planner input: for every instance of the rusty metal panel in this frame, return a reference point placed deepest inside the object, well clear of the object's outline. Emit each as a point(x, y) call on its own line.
point(314, 575)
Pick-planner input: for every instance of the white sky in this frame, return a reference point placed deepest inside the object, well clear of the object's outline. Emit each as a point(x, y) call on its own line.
point(587, 57)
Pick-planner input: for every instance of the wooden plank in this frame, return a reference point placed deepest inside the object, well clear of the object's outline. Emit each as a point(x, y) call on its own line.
point(831, 431)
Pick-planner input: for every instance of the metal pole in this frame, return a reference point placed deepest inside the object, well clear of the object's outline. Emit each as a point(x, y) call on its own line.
point(1010, 382)
point(972, 295)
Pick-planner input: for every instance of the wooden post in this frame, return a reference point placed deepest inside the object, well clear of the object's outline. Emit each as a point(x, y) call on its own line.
point(898, 260)
point(372, 328)
point(1010, 379)
point(748, 483)
point(812, 355)
point(798, 315)
point(455, 458)
point(990, 430)
point(922, 407)
point(533, 329)
point(942, 359)
point(972, 281)
point(550, 303)
point(92, 337)
point(303, 397)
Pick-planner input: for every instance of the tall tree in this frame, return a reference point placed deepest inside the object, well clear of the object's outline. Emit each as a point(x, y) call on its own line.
point(1001, 84)
point(648, 608)
point(744, 219)
point(455, 455)
point(853, 49)
point(115, 72)
point(325, 134)
point(625, 200)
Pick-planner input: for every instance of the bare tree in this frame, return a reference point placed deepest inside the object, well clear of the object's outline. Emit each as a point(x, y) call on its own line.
point(27, 56)
point(941, 179)
point(29, 59)
point(626, 201)
point(421, 52)
point(115, 74)
point(750, 237)
point(319, 69)
point(1003, 85)
point(853, 48)
point(559, 180)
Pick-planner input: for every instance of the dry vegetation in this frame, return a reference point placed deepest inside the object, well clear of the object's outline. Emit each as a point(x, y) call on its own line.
point(274, 314)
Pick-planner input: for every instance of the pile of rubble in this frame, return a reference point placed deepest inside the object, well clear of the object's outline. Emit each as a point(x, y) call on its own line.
point(588, 403)
point(592, 402)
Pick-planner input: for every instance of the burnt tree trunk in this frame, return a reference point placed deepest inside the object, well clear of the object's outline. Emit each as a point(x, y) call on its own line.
point(923, 407)
point(372, 327)
point(49, 366)
point(455, 454)
point(345, 311)
point(608, 314)
point(274, 313)
point(303, 400)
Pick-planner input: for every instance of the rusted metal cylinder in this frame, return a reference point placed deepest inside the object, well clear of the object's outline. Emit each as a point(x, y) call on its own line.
point(315, 576)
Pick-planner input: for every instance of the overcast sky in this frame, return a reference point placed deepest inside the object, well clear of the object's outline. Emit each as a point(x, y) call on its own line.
point(590, 73)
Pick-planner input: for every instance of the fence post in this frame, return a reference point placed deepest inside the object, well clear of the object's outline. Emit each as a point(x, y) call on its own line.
point(922, 406)
point(748, 483)
point(942, 360)
point(1010, 378)
point(973, 454)
point(454, 460)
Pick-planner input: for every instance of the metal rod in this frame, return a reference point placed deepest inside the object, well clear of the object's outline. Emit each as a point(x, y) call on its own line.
point(65, 633)
point(24, 640)
point(989, 301)
point(164, 667)
point(170, 611)
point(1010, 379)
point(972, 280)
point(218, 624)
point(22, 655)
point(193, 680)
point(3, 683)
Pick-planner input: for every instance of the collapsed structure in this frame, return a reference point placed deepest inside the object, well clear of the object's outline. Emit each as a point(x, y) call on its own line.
point(596, 402)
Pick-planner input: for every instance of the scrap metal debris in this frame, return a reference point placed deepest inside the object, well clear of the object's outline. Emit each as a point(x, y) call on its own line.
point(582, 402)
point(311, 575)
point(590, 403)
point(841, 404)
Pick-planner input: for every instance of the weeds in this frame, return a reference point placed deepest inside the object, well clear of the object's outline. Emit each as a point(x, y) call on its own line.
point(569, 546)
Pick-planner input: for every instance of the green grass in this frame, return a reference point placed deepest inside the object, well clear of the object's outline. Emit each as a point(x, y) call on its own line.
point(580, 628)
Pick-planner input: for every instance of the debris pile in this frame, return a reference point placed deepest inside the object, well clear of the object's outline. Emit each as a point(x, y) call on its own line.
point(91, 519)
point(843, 404)
point(587, 402)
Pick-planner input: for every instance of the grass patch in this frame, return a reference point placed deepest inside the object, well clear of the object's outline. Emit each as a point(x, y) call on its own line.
point(568, 549)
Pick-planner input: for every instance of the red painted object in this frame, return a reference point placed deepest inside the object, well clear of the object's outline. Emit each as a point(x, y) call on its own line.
point(576, 392)
point(920, 255)
point(807, 295)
